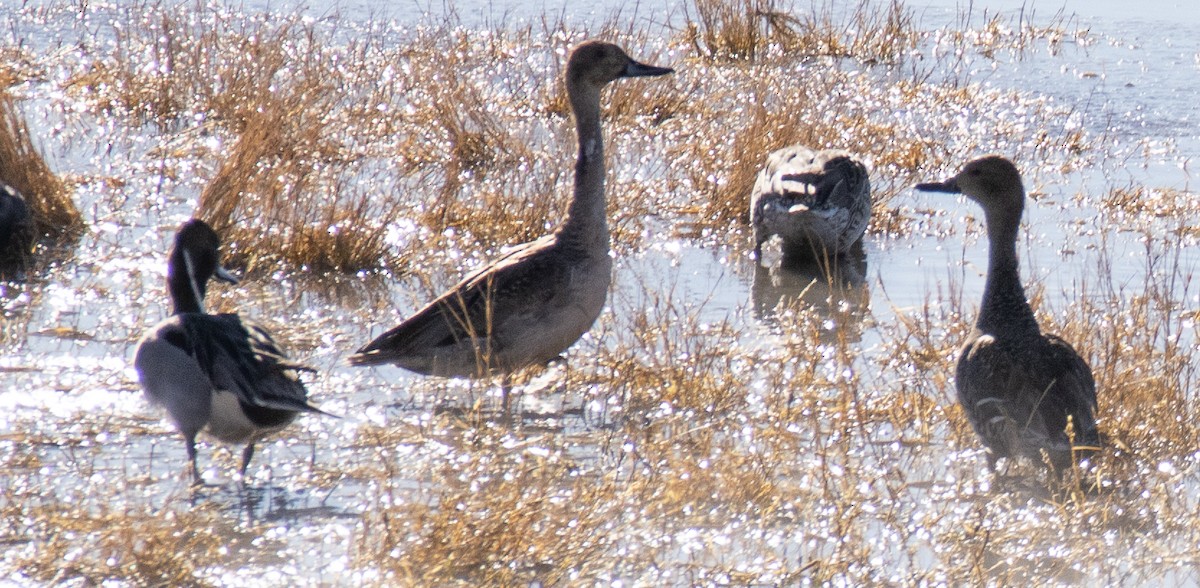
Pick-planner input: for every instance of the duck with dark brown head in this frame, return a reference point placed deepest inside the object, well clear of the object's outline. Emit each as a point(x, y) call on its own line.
point(529, 306)
point(1024, 391)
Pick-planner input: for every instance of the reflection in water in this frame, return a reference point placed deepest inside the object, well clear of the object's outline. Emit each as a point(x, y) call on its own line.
point(270, 503)
point(23, 284)
point(835, 288)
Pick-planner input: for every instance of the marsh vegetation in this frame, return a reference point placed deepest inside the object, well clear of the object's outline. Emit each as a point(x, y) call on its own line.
point(357, 166)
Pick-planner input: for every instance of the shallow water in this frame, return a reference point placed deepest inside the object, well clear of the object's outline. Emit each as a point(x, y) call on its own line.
point(69, 396)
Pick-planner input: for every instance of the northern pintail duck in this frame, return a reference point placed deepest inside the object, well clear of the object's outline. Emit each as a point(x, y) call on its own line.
point(818, 202)
point(16, 226)
point(529, 306)
point(1018, 386)
point(215, 372)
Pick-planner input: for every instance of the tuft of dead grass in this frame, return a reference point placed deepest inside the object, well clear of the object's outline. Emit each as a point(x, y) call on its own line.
point(173, 63)
point(1143, 201)
point(141, 548)
point(476, 150)
point(282, 194)
point(734, 30)
point(1016, 33)
point(670, 359)
point(23, 167)
point(287, 191)
point(754, 30)
point(867, 32)
point(537, 521)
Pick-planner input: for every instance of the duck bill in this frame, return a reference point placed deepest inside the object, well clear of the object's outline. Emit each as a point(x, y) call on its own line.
point(949, 186)
point(636, 69)
point(224, 275)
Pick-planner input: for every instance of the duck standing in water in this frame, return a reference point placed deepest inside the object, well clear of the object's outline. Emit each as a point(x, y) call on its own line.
point(529, 306)
point(16, 227)
point(215, 372)
point(1019, 387)
point(818, 202)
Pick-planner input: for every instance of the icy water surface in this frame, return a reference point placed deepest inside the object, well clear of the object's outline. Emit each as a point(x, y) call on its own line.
point(342, 501)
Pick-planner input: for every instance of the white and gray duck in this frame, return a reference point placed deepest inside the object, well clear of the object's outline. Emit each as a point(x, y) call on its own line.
point(817, 201)
point(215, 373)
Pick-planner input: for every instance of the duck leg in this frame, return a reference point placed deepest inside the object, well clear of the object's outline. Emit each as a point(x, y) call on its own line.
point(247, 453)
point(505, 393)
point(190, 440)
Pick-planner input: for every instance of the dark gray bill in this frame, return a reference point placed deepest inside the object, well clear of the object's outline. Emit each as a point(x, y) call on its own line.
point(946, 186)
point(635, 69)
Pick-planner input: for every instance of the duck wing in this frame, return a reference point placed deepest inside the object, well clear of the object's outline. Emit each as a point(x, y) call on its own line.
point(1019, 397)
point(845, 184)
point(990, 388)
point(474, 308)
point(1075, 393)
point(243, 358)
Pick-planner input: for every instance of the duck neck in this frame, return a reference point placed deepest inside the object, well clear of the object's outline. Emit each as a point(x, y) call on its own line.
point(187, 293)
point(586, 226)
point(1005, 307)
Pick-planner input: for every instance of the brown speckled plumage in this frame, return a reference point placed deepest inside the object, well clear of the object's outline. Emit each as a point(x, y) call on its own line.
point(531, 305)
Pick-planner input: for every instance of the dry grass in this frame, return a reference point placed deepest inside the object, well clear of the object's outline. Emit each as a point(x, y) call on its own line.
point(436, 122)
point(287, 164)
point(442, 129)
point(277, 90)
point(734, 30)
point(531, 522)
point(23, 167)
point(14, 319)
point(868, 32)
point(1017, 33)
point(57, 533)
point(1141, 201)
point(496, 158)
point(175, 63)
point(482, 174)
point(492, 159)
point(140, 548)
point(752, 30)
point(283, 195)
point(668, 357)
point(1142, 362)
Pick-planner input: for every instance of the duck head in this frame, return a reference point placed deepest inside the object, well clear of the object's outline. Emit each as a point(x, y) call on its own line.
point(992, 181)
point(193, 260)
point(596, 63)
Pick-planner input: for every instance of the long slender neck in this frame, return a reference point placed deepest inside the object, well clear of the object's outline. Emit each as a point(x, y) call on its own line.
point(586, 226)
point(1004, 306)
point(187, 293)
